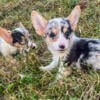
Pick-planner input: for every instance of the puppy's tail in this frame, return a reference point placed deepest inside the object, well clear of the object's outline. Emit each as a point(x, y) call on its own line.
point(82, 4)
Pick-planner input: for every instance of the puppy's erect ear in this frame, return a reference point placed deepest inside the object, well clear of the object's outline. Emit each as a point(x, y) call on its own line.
point(74, 17)
point(38, 22)
point(5, 35)
point(25, 30)
point(21, 25)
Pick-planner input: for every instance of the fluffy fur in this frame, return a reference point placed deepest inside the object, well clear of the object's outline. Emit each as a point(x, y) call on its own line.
point(14, 41)
point(83, 52)
point(61, 41)
point(6, 49)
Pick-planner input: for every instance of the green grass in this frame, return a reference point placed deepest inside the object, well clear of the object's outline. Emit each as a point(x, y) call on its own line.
point(36, 84)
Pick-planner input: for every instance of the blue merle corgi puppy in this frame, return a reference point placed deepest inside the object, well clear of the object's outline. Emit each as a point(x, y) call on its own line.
point(59, 35)
point(12, 42)
point(22, 39)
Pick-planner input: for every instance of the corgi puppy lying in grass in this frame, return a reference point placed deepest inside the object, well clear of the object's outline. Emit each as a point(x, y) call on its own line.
point(12, 42)
point(59, 35)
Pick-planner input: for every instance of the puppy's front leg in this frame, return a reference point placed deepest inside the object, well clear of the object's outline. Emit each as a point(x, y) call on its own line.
point(49, 67)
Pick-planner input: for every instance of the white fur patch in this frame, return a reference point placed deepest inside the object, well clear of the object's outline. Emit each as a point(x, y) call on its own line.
point(6, 49)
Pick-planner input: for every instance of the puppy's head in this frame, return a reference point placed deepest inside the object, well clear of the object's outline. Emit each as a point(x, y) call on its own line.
point(56, 32)
point(21, 37)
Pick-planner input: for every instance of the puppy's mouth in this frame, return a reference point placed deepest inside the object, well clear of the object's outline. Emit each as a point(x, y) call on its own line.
point(61, 50)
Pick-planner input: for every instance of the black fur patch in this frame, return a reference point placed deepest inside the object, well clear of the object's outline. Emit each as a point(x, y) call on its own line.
point(79, 48)
point(62, 29)
point(69, 30)
point(17, 36)
point(52, 35)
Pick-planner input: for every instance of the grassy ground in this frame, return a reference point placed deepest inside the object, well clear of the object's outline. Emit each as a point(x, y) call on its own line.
point(36, 84)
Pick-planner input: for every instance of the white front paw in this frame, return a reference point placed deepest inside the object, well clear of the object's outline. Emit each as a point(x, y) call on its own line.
point(42, 68)
point(45, 68)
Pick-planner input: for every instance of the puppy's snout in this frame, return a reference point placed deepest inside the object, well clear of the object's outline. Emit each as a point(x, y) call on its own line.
point(62, 46)
point(34, 46)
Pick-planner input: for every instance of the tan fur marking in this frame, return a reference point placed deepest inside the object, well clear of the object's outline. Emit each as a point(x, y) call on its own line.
point(65, 29)
point(17, 45)
point(55, 30)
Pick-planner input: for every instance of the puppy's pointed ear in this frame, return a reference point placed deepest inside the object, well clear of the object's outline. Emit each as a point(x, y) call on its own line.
point(38, 22)
point(24, 29)
point(21, 25)
point(74, 17)
point(5, 35)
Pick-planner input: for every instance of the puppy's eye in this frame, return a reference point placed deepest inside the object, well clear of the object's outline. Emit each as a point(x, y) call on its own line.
point(52, 35)
point(68, 32)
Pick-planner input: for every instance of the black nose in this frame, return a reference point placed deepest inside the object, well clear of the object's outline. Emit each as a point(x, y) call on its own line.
point(61, 46)
point(33, 47)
